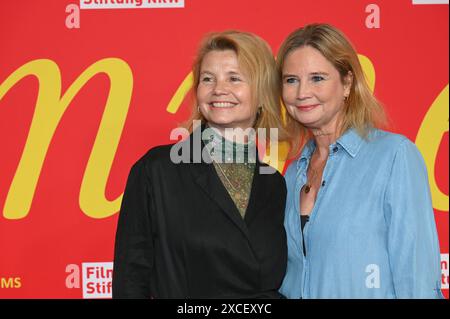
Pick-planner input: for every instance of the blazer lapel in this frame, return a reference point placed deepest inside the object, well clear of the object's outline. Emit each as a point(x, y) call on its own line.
point(206, 177)
point(258, 194)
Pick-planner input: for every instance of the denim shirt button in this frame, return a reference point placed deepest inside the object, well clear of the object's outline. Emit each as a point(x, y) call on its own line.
point(323, 183)
point(335, 149)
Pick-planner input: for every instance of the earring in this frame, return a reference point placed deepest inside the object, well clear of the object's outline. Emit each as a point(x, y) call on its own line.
point(258, 113)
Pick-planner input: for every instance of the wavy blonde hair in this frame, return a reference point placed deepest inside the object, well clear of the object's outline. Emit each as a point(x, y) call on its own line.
point(362, 110)
point(256, 60)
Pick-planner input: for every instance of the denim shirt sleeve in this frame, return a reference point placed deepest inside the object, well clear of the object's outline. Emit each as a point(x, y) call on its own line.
point(413, 244)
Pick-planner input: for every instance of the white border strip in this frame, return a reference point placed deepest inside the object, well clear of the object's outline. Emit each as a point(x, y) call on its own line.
point(430, 1)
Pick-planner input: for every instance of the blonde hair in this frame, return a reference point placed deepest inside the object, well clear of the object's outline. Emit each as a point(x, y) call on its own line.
point(362, 111)
point(256, 60)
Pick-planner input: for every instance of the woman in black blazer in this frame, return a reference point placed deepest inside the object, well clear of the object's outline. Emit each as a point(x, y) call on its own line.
point(202, 218)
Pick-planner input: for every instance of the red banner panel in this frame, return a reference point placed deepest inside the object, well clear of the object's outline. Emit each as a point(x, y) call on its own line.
point(87, 87)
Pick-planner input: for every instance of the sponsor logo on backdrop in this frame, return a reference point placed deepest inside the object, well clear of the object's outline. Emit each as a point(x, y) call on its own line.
point(73, 19)
point(430, 1)
point(97, 280)
point(444, 269)
point(10, 282)
point(130, 4)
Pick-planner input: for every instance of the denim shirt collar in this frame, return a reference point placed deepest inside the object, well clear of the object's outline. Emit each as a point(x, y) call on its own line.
point(350, 141)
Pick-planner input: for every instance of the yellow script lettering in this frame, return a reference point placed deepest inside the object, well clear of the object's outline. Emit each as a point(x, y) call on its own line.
point(50, 108)
point(429, 137)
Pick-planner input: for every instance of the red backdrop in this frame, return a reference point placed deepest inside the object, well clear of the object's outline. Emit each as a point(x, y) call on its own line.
point(67, 143)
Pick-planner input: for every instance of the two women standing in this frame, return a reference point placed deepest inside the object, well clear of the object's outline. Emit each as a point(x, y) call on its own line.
point(357, 218)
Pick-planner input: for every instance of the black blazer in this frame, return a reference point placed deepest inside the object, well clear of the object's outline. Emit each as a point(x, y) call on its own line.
point(180, 235)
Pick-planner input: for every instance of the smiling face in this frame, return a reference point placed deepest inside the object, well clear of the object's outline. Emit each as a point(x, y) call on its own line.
point(313, 91)
point(224, 92)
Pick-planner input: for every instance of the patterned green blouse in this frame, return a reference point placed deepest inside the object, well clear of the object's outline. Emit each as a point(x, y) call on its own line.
point(235, 165)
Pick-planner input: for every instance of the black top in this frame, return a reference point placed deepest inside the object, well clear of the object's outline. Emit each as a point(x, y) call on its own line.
point(179, 234)
point(304, 219)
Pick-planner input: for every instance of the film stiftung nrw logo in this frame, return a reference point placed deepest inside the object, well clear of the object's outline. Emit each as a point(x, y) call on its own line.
point(94, 278)
point(130, 4)
point(97, 280)
point(73, 19)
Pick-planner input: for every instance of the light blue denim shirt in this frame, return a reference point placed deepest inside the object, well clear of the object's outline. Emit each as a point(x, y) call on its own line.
point(372, 232)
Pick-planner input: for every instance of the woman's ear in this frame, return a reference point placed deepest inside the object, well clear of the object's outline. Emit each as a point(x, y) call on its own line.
point(348, 80)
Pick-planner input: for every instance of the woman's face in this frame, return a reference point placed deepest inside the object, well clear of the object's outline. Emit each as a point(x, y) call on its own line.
point(312, 90)
point(224, 92)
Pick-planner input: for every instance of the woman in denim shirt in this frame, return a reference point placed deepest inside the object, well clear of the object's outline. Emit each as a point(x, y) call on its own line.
point(359, 218)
